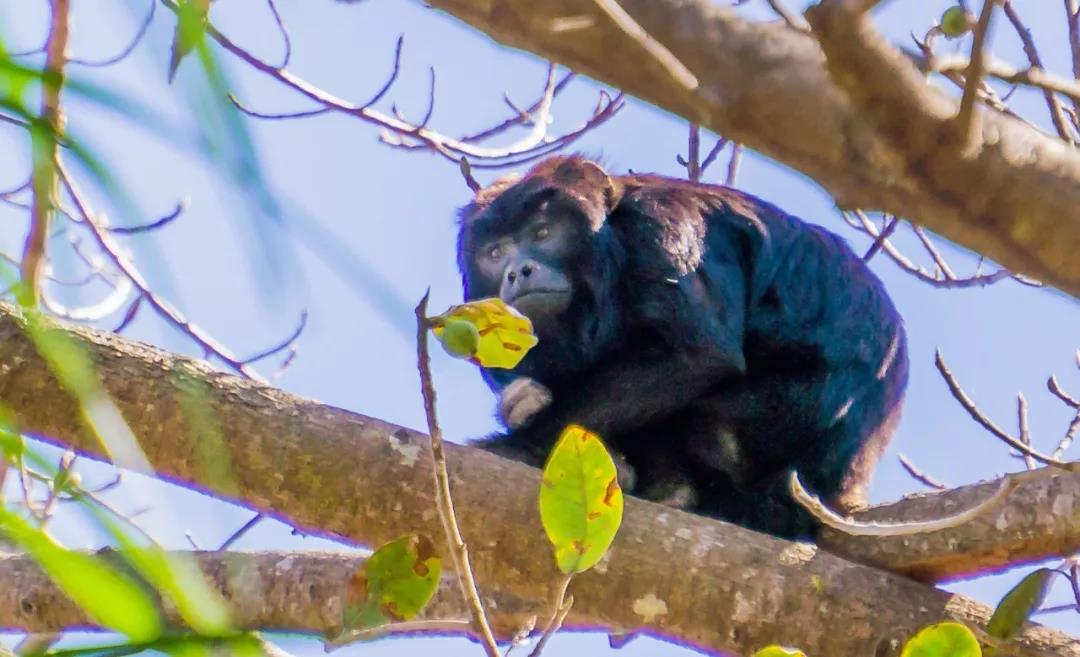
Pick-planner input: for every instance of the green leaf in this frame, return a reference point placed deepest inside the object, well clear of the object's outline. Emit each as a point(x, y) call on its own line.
point(395, 584)
point(109, 596)
point(1019, 604)
point(943, 640)
point(581, 503)
point(777, 651)
point(190, 27)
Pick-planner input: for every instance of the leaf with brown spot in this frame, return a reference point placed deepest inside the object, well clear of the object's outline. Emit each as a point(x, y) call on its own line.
point(396, 583)
point(580, 500)
point(486, 331)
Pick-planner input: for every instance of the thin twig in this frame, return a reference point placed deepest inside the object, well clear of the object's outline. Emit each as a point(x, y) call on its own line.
point(693, 154)
point(284, 344)
point(45, 152)
point(1025, 429)
point(713, 154)
point(989, 425)
point(105, 240)
point(733, 165)
point(562, 607)
point(965, 116)
point(153, 225)
point(403, 627)
point(236, 535)
point(1052, 102)
point(283, 31)
point(1074, 425)
point(919, 475)
point(1072, 19)
point(859, 220)
point(626, 23)
point(459, 551)
point(794, 20)
point(144, 26)
point(538, 144)
point(885, 233)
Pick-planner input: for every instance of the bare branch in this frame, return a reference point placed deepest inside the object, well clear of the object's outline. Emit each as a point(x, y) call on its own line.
point(831, 519)
point(989, 425)
point(965, 116)
point(443, 498)
point(287, 56)
point(106, 242)
point(920, 476)
point(45, 151)
point(144, 26)
point(632, 29)
point(1057, 117)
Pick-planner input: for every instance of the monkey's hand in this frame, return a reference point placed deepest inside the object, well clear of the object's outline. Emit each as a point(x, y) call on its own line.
point(521, 400)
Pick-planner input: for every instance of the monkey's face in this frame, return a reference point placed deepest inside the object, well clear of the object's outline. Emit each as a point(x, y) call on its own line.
point(528, 266)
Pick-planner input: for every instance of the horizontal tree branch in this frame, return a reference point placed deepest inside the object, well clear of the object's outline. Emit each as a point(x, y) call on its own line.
point(327, 470)
point(270, 591)
point(1038, 520)
point(864, 123)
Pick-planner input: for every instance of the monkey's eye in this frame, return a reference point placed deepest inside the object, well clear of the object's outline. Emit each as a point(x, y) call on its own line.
point(542, 232)
point(494, 251)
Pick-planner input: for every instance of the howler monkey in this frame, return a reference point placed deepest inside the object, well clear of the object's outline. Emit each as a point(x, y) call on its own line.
point(713, 341)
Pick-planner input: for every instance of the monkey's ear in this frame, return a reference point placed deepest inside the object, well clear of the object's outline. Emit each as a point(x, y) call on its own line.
point(588, 179)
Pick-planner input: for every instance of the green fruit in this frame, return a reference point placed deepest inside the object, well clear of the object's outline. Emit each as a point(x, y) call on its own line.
point(956, 22)
point(460, 338)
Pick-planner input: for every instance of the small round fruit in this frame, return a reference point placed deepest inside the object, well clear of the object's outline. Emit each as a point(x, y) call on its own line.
point(460, 338)
point(956, 22)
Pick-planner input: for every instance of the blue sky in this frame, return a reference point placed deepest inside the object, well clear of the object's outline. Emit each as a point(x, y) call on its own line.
point(365, 229)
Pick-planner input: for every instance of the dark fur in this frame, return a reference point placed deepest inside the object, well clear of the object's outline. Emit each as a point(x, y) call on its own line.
point(713, 340)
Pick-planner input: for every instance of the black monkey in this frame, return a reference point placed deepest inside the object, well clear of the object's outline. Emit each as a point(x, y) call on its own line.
point(713, 341)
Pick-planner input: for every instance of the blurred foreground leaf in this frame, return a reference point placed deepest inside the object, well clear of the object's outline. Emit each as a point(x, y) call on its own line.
point(109, 596)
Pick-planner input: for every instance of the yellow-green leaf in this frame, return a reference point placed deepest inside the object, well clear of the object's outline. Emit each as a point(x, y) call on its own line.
point(1019, 604)
point(111, 597)
point(777, 651)
point(943, 640)
point(502, 334)
point(581, 503)
point(395, 584)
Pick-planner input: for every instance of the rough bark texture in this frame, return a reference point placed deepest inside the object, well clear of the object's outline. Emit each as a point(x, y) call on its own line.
point(863, 124)
point(677, 575)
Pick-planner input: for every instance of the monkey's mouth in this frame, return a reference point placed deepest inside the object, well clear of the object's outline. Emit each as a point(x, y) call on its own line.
point(540, 304)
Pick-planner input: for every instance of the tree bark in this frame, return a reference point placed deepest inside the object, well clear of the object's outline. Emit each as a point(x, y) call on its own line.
point(861, 122)
point(324, 469)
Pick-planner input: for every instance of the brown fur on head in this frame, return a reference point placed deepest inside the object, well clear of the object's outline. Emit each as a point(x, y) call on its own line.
point(577, 177)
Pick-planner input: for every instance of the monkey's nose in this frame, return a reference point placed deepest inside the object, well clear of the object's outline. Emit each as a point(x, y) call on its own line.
point(527, 269)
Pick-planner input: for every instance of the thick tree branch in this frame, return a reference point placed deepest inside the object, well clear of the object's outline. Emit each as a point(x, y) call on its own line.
point(671, 573)
point(286, 591)
point(865, 124)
